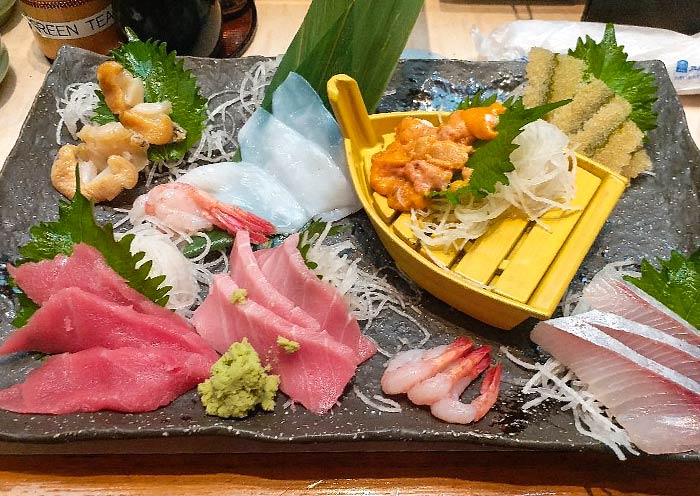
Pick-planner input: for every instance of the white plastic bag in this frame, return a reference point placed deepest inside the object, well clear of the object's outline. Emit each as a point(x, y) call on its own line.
point(679, 52)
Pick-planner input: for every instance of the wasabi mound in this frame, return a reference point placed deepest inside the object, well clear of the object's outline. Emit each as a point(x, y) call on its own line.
point(238, 384)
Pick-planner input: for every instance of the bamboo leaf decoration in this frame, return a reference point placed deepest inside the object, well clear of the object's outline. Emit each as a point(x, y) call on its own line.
point(360, 38)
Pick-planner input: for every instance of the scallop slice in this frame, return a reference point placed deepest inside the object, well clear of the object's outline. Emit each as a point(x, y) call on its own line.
point(251, 188)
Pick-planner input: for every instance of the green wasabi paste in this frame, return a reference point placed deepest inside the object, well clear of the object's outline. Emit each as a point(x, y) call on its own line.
point(238, 384)
point(288, 345)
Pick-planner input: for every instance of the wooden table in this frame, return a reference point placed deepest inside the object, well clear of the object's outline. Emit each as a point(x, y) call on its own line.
point(443, 28)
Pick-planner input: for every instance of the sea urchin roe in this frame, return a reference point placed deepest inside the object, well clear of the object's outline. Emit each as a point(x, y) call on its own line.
point(238, 384)
point(425, 158)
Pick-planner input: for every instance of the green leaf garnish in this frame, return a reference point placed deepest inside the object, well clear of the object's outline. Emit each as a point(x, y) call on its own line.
point(76, 224)
point(491, 159)
point(360, 38)
point(676, 284)
point(608, 62)
point(313, 230)
point(102, 113)
point(477, 100)
point(164, 78)
point(220, 240)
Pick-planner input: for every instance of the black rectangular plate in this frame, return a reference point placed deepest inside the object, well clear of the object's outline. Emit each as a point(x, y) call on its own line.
point(658, 213)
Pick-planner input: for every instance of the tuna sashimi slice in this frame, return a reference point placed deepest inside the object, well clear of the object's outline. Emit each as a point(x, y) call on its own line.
point(74, 320)
point(125, 380)
point(658, 407)
point(663, 348)
point(285, 269)
point(85, 269)
point(608, 292)
point(315, 375)
point(246, 273)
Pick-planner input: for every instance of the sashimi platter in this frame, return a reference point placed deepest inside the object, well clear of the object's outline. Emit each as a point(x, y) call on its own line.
point(278, 254)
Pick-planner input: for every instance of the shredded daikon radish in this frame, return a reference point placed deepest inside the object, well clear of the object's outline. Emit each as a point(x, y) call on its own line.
point(382, 404)
point(553, 380)
point(77, 106)
point(544, 178)
point(367, 294)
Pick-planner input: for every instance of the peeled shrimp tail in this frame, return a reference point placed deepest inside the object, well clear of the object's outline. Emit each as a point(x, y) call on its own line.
point(232, 218)
point(402, 378)
point(451, 410)
point(439, 386)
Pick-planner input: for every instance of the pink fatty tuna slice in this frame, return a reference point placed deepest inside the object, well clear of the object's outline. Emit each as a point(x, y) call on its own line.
point(608, 292)
point(85, 269)
point(658, 407)
point(74, 320)
point(285, 269)
point(124, 380)
point(658, 346)
point(315, 375)
point(246, 273)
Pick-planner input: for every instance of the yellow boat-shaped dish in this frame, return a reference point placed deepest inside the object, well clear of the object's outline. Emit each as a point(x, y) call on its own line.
point(517, 269)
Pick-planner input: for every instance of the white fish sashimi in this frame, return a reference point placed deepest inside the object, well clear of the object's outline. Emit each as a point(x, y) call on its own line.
point(251, 188)
point(297, 105)
point(608, 292)
point(660, 347)
point(658, 407)
point(303, 167)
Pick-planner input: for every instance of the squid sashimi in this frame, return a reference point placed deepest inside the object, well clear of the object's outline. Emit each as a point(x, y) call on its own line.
point(285, 269)
point(608, 292)
point(315, 375)
point(125, 380)
point(673, 353)
point(246, 273)
point(252, 188)
point(74, 320)
point(297, 105)
point(301, 165)
point(658, 407)
point(86, 269)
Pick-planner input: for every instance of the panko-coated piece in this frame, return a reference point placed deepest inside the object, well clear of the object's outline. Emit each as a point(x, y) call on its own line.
point(121, 90)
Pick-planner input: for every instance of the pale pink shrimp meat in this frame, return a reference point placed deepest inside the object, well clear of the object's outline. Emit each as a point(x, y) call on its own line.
point(409, 368)
point(452, 410)
point(188, 209)
point(439, 386)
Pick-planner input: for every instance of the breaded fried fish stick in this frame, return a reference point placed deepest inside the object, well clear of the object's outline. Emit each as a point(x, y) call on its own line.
point(587, 100)
point(540, 67)
point(566, 78)
point(596, 130)
point(616, 154)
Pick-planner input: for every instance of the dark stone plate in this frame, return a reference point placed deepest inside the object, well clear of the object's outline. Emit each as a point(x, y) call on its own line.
point(658, 213)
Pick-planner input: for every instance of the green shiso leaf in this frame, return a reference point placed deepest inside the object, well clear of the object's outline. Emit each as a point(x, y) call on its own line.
point(491, 159)
point(165, 78)
point(76, 224)
point(477, 100)
point(102, 113)
point(676, 284)
point(608, 62)
point(220, 240)
point(360, 38)
point(315, 228)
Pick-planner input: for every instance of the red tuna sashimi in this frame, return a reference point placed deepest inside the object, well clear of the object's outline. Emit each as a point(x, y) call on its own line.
point(315, 375)
point(658, 407)
point(85, 269)
point(246, 273)
point(74, 320)
point(285, 269)
point(670, 352)
point(125, 380)
point(607, 292)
